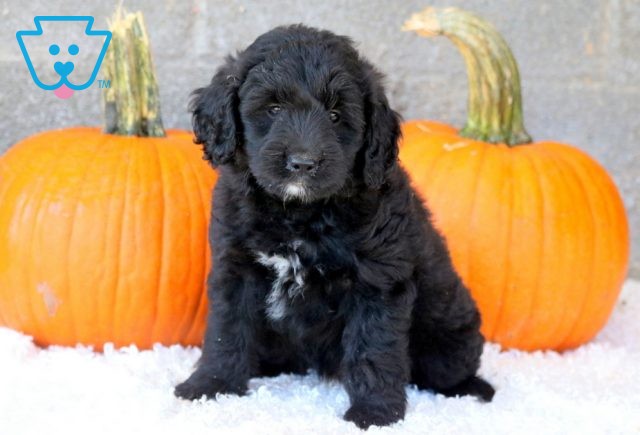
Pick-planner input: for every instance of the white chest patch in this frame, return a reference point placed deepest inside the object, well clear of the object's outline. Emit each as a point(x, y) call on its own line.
point(288, 282)
point(295, 190)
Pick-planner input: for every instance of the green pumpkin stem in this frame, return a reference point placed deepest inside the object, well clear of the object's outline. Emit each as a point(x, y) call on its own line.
point(132, 102)
point(495, 101)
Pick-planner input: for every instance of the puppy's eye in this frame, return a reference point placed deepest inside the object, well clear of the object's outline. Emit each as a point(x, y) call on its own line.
point(274, 109)
point(334, 116)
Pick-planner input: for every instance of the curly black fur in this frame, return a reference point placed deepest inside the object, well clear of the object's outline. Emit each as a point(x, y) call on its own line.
point(332, 263)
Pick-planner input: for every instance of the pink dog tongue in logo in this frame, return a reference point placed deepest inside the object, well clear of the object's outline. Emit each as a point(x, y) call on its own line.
point(63, 92)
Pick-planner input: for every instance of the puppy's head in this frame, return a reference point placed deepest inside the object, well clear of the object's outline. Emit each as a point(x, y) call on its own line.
point(303, 112)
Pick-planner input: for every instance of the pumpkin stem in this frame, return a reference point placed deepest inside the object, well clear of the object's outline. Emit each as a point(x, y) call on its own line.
point(132, 102)
point(495, 101)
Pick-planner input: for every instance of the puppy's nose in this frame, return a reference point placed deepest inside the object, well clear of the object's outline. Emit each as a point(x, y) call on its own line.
point(301, 164)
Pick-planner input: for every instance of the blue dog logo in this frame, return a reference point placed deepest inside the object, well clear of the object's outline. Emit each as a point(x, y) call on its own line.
point(55, 51)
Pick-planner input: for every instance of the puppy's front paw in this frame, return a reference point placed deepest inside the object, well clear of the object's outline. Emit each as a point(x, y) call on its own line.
point(367, 414)
point(200, 384)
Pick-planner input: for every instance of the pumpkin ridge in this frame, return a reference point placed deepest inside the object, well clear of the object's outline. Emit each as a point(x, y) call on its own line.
point(202, 302)
point(38, 327)
point(182, 320)
point(560, 165)
point(195, 198)
point(592, 260)
point(135, 193)
point(614, 208)
point(177, 162)
point(162, 236)
point(109, 222)
point(116, 319)
point(78, 197)
point(544, 230)
point(472, 211)
point(187, 319)
point(116, 222)
point(509, 230)
point(506, 293)
point(540, 170)
point(502, 300)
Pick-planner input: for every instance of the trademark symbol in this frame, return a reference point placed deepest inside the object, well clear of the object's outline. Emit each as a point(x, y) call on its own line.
point(104, 84)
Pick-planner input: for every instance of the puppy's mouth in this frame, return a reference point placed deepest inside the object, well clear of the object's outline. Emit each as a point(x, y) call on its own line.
point(296, 190)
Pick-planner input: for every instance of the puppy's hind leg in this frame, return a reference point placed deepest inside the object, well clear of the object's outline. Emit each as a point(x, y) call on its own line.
point(446, 343)
point(472, 386)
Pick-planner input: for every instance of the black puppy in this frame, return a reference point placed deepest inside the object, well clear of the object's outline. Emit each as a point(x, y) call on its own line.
point(323, 255)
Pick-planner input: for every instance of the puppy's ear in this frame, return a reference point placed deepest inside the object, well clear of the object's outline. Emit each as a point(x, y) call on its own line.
point(381, 134)
point(215, 115)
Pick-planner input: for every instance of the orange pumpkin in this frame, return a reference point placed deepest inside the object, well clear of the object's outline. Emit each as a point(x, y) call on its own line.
point(537, 230)
point(103, 237)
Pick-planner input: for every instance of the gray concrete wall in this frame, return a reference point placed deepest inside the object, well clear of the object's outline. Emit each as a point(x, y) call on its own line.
point(579, 61)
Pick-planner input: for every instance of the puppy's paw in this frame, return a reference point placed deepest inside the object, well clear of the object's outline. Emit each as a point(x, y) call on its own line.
point(472, 386)
point(200, 384)
point(367, 414)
